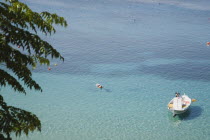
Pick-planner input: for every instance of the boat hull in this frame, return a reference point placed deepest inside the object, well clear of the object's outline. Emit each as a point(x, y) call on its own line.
point(185, 103)
point(176, 112)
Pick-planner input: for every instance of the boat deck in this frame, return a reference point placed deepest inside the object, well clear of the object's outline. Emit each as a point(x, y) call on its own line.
point(177, 103)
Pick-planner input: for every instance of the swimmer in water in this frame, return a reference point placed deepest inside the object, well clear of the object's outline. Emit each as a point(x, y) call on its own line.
point(99, 86)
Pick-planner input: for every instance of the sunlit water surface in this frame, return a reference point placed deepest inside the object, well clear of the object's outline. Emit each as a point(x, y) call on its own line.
point(142, 52)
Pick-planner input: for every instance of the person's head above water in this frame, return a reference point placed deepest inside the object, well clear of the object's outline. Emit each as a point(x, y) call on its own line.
point(99, 86)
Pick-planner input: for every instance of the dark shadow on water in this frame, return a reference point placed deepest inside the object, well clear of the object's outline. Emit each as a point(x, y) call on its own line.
point(192, 113)
point(107, 90)
point(176, 71)
point(183, 71)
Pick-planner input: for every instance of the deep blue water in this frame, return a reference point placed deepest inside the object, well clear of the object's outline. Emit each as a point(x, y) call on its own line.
point(142, 52)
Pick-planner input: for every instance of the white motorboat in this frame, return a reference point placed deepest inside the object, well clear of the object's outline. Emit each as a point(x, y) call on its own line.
point(179, 104)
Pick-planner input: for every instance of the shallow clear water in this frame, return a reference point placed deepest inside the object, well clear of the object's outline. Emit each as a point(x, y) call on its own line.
point(142, 53)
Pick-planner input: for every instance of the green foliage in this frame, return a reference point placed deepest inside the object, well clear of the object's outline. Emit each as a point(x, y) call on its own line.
point(17, 120)
point(16, 19)
point(20, 50)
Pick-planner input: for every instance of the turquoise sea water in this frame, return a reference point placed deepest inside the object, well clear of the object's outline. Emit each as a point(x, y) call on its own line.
point(142, 52)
